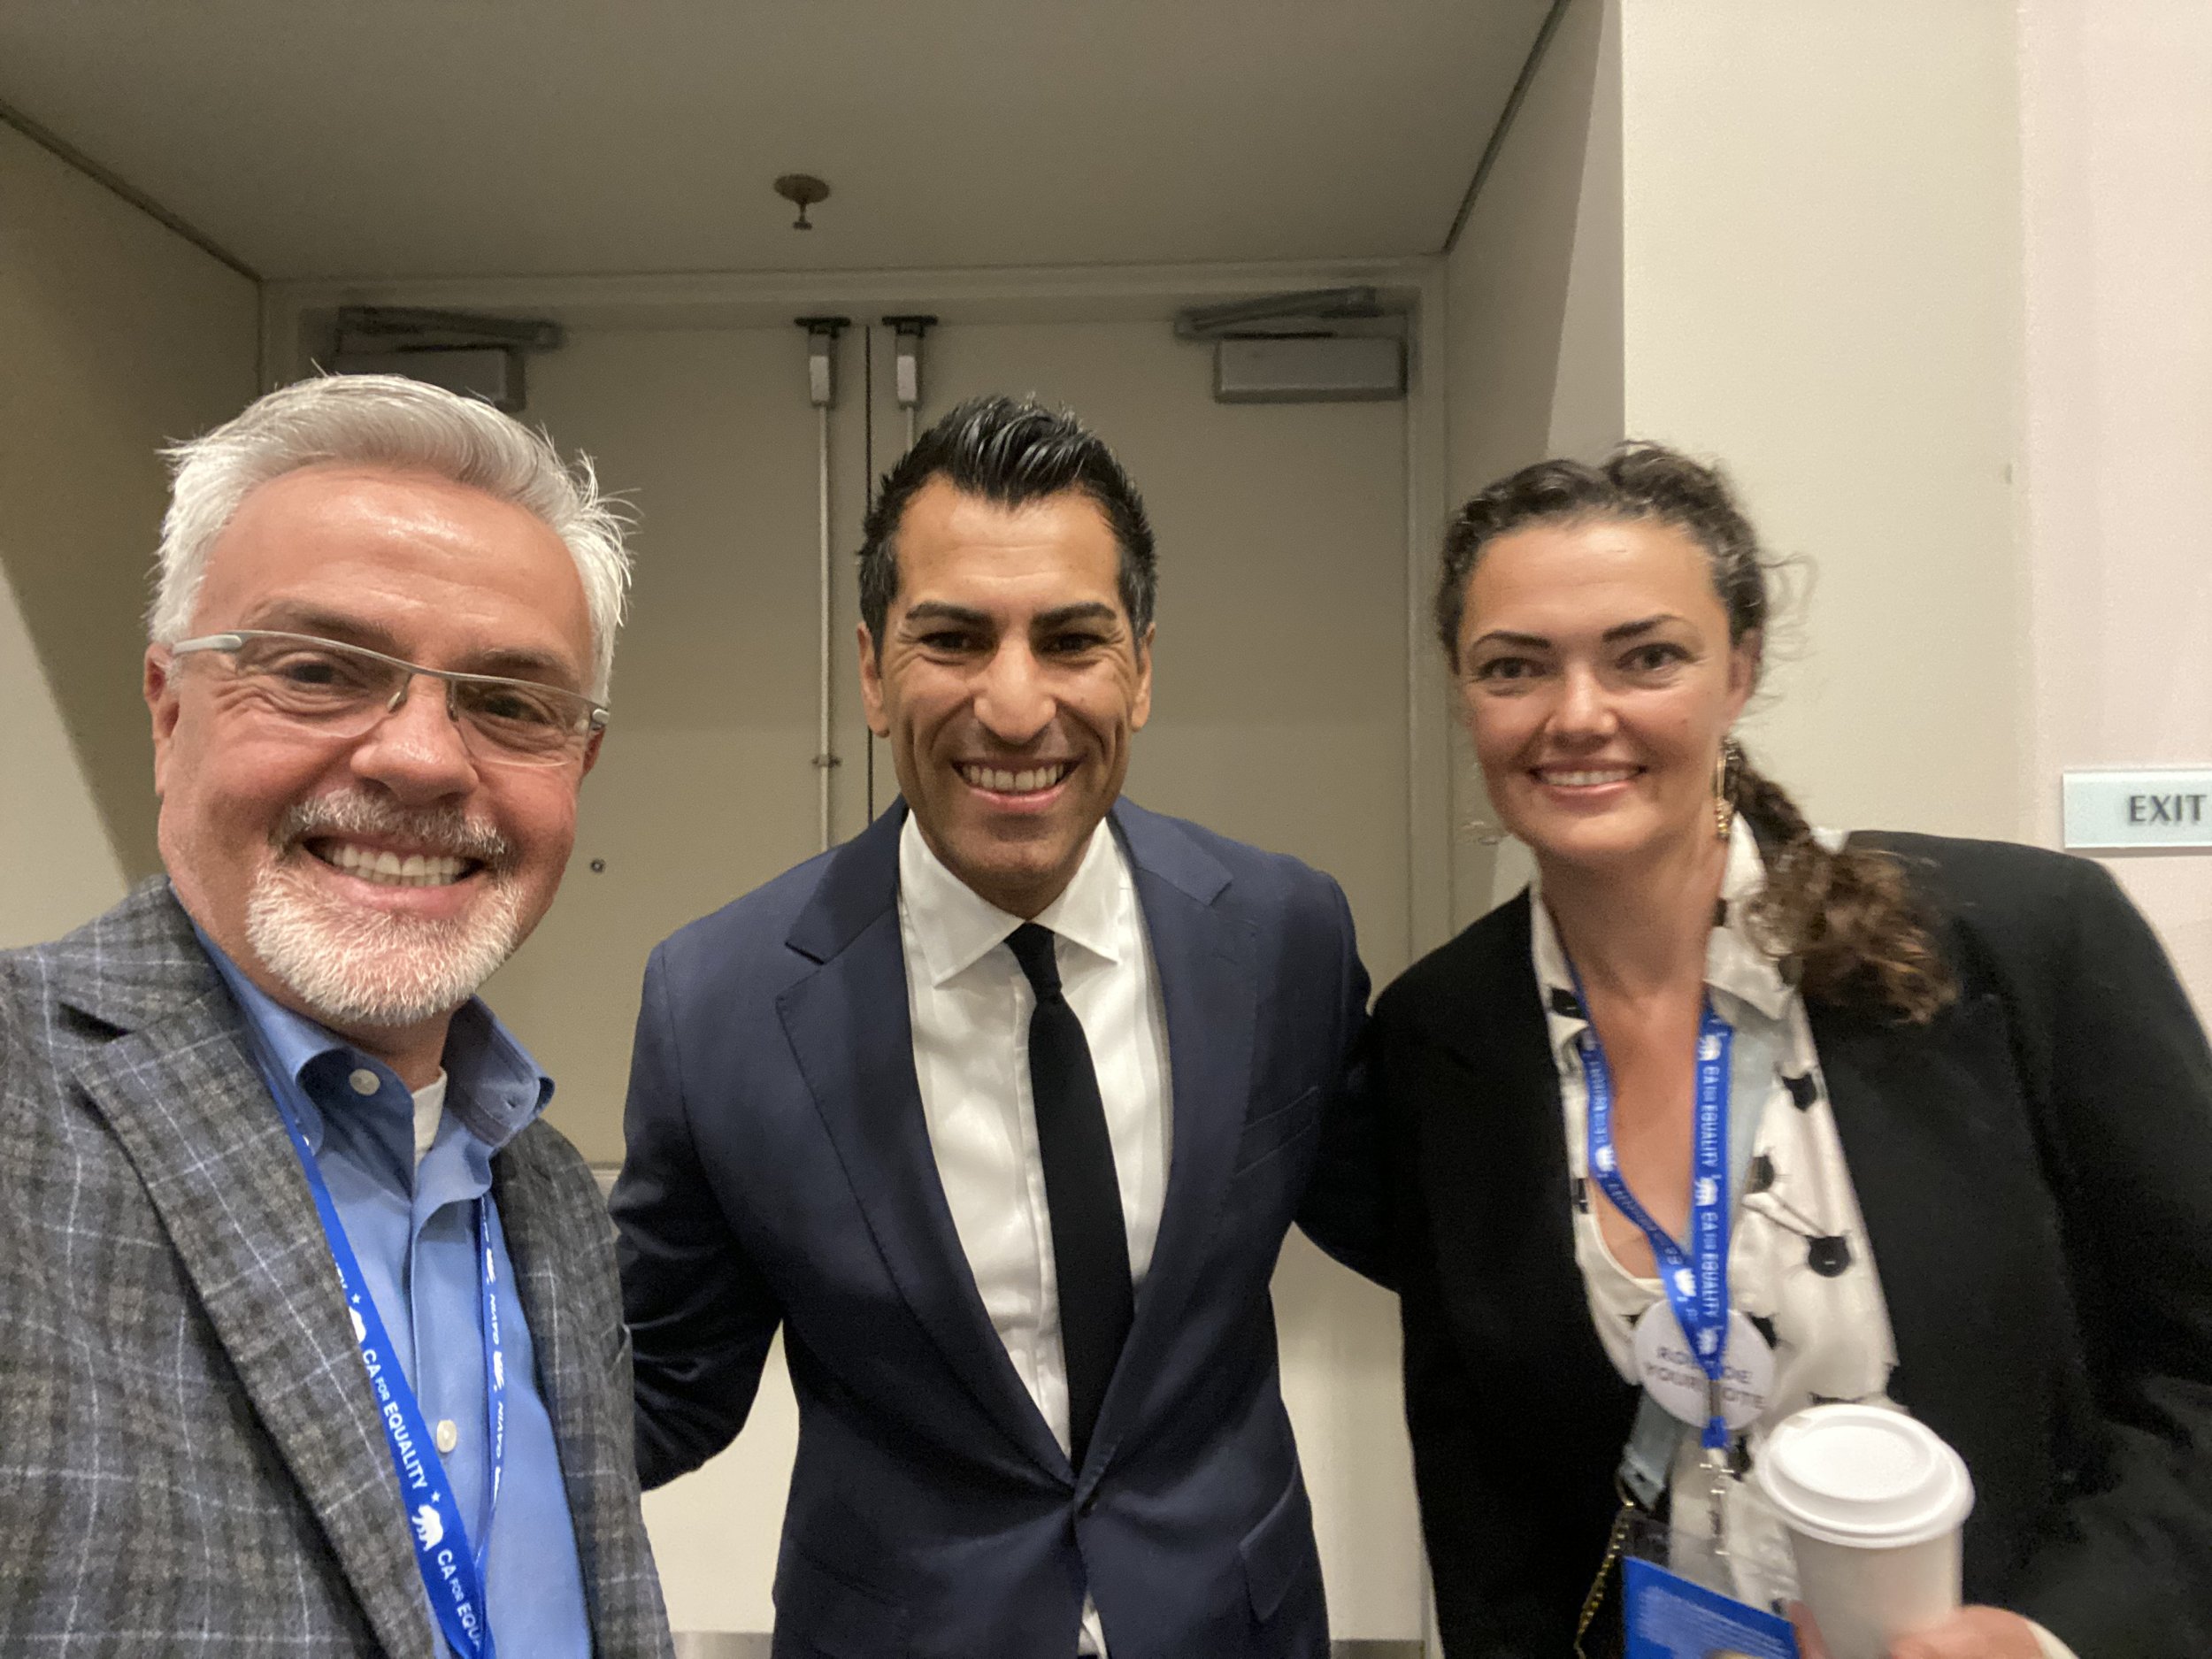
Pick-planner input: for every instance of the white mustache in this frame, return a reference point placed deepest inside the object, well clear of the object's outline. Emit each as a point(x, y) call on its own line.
point(436, 830)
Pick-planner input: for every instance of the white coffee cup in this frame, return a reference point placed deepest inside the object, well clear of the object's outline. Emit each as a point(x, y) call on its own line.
point(1873, 1502)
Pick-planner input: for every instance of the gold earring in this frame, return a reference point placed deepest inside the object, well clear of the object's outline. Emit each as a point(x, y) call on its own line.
point(1727, 771)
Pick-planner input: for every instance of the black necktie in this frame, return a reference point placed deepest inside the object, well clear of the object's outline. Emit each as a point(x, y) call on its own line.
point(1090, 1242)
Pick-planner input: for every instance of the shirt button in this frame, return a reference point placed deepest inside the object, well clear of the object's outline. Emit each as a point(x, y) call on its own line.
point(449, 1434)
point(365, 1081)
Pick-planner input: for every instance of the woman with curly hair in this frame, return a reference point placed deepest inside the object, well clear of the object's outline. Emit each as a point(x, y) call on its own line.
point(1933, 1117)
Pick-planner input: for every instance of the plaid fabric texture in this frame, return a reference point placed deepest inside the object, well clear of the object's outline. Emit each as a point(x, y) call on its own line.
point(189, 1460)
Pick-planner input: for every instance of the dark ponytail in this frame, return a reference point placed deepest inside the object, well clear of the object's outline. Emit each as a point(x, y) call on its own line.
point(1847, 922)
point(1847, 919)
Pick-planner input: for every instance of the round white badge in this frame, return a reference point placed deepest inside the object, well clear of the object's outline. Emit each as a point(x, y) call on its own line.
point(1673, 1376)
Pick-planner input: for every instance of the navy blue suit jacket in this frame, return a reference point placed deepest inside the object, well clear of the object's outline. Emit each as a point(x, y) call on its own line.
point(779, 1172)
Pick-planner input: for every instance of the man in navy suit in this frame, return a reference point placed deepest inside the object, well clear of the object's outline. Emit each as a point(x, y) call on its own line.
point(1001, 1111)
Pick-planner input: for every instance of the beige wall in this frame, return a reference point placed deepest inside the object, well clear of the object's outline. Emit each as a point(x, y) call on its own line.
point(2116, 147)
point(116, 335)
point(1533, 286)
point(1821, 256)
point(1533, 326)
point(61, 869)
point(1787, 237)
point(1534, 339)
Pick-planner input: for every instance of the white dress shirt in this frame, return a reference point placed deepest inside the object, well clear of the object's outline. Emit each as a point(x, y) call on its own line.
point(969, 1004)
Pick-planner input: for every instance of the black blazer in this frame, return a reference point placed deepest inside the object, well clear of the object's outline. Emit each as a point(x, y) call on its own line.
point(2035, 1173)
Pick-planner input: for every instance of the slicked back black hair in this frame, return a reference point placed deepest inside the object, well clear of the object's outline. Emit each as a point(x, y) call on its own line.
point(1012, 451)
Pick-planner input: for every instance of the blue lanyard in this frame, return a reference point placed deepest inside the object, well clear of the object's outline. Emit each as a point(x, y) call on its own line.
point(1696, 1281)
point(452, 1573)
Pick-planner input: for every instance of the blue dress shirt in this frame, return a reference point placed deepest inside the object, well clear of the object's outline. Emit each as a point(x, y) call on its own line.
point(414, 1233)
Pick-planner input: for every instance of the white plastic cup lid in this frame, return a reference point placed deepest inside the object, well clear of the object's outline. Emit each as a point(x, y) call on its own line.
point(1864, 1475)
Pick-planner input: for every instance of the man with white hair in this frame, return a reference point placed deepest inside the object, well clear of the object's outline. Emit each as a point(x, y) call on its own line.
point(310, 1339)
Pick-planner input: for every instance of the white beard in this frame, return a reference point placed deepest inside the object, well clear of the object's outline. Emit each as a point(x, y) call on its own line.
point(358, 968)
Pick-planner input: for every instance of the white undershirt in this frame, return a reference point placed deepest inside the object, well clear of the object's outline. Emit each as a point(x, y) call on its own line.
point(969, 1005)
point(429, 1108)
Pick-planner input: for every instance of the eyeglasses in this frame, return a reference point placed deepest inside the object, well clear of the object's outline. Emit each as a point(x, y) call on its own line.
point(345, 690)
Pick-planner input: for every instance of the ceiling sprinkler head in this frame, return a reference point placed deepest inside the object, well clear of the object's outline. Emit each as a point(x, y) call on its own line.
point(803, 190)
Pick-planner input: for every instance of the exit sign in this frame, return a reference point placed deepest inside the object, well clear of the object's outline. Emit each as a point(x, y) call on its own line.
point(2162, 808)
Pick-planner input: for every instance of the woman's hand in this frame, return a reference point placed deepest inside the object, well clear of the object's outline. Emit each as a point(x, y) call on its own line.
point(1972, 1633)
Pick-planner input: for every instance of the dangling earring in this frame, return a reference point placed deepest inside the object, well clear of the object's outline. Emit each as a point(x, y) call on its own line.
point(1727, 770)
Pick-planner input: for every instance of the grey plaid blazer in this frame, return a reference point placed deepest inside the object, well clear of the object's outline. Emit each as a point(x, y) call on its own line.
point(189, 1460)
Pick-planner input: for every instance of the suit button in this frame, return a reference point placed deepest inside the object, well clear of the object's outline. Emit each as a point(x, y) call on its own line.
point(1088, 1505)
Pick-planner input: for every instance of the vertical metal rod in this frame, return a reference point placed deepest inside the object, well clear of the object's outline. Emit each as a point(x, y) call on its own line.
point(908, 331)
point(821, 385)
point(867, 499)
point(823, 761)
point(1416, 687)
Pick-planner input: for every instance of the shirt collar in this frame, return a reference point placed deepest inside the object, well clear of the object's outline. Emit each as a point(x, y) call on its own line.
point(957, 926)
point(1737, 967)
point(494, 1086)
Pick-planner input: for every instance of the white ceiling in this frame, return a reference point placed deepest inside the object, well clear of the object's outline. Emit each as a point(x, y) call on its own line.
point(420, 138)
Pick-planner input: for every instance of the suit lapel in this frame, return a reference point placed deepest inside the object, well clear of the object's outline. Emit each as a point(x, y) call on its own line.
point(1209, 986)
point(1948, 1187)
point(849, 1027)
point(1491, 1157)
point(528, 1226)
point(183, 1096)
point(549, 1245)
